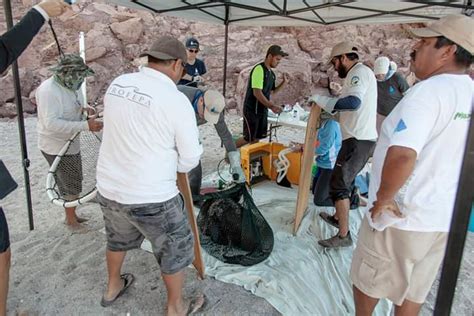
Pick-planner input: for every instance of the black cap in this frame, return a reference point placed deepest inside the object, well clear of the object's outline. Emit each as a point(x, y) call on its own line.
point(276, 50)
point(192, 43)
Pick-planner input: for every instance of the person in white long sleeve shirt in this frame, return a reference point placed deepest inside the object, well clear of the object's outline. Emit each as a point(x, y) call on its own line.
point(150, 134)
point(60, 108)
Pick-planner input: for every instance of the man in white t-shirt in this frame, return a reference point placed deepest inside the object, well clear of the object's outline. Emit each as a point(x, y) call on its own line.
point(150, 134)
point(415, 173)
point(357, 107)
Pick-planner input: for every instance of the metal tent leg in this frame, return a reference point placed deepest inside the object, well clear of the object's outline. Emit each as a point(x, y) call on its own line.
point(21, 123)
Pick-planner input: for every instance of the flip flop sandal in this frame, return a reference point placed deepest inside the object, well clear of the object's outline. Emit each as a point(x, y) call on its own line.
point(128, 280)
point(330, 219)
point(194, 308)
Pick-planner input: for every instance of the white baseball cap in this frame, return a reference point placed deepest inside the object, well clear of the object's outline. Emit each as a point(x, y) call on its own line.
point(343, 48)
point(214, 104)
point(381, 65)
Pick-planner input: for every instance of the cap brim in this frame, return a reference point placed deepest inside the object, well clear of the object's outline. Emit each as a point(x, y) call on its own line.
point(158, 55)
point(424, 32)
point(211, 117)
point(283, 54)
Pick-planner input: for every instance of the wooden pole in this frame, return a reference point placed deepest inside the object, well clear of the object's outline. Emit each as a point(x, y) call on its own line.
point(305, 172)
point(184, 188)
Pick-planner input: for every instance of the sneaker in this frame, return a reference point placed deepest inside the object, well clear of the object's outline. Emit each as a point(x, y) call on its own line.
point(330, 219)
point(337, 241)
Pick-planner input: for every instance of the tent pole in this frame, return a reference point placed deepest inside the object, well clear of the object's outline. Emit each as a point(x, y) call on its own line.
point(458, 230)
point(226, 42)
point(21, 124)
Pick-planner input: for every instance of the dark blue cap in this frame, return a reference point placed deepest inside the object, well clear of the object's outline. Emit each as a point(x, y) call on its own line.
point(192, 43)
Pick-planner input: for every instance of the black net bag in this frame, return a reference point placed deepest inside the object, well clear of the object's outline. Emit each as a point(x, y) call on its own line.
point(232, 229)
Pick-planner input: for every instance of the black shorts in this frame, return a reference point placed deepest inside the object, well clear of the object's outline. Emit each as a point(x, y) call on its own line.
point(351, 159)
point(255, 125)
point(321, 186)
point(4, 235)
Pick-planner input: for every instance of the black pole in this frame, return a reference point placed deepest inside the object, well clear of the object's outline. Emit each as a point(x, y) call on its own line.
point(226, 42)
point(458, 231)
point(21, 123)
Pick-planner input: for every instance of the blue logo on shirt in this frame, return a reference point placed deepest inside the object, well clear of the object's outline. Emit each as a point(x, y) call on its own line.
point(400, 126)
point(391, 90)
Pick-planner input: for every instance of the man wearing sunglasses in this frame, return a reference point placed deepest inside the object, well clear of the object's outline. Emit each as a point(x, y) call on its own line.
point(195, 67)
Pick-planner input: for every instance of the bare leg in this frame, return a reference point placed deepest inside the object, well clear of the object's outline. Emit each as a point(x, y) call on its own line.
point(174, 286)
point(4, 279)
point(72, 219)
point(364, 304)
point(114, 265)
point(408, 308)
point(342, 214)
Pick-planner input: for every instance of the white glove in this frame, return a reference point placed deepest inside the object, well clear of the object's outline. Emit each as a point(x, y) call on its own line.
point(235, 167)
point(53, 7)
point(197, 79)
point(324, 102)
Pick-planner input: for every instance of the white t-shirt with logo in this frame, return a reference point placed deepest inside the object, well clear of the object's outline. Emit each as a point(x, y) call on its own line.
point(361, 123)
point(150, 133)
point(432, 119)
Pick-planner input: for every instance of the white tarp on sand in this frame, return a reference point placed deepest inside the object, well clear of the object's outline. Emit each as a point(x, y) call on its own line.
point(299, 277)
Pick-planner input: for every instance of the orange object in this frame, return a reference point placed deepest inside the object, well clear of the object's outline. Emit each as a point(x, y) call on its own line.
point(268, 153)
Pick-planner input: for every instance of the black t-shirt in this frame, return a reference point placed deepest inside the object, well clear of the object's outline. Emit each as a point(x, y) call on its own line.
point(390, 92)
point(260, 78)
point(196, 69)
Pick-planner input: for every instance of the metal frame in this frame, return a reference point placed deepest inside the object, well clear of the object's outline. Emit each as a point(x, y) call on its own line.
point(21, 123)
point(228, 5)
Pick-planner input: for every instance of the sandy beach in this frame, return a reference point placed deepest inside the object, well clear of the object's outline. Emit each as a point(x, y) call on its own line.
point(57, 272)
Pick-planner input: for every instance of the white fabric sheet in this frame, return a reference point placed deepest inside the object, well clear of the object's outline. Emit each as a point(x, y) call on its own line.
point(299, 277)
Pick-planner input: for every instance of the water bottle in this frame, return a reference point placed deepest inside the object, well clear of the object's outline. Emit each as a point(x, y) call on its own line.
point(296, 115)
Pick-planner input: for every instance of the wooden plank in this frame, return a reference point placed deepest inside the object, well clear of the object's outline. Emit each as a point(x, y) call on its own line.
point(184, 188)
point(305, 173)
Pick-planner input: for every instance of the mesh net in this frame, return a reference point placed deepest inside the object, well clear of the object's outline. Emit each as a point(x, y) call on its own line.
point(232, 229)
point(75, 175)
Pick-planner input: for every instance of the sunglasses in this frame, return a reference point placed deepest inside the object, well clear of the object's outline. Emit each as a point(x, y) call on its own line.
point(193, 51)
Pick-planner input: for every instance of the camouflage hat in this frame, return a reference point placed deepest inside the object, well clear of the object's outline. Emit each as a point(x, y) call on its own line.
point(72, 63)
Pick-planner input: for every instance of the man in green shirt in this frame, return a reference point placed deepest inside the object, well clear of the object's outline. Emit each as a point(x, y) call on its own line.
point(257, 99)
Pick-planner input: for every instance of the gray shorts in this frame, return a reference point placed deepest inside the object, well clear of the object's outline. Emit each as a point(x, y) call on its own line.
point(68, 174)
point(164, 224)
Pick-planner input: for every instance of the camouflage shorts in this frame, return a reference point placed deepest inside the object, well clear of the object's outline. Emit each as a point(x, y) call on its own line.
point(164, 224)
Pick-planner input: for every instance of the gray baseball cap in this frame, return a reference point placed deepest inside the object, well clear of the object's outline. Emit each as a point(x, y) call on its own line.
point(167, 48)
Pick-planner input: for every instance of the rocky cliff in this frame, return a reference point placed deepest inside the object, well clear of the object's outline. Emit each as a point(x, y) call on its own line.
point(116, 35)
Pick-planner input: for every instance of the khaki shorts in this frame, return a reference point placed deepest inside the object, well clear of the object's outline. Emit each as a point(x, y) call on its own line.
point(396, 264)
